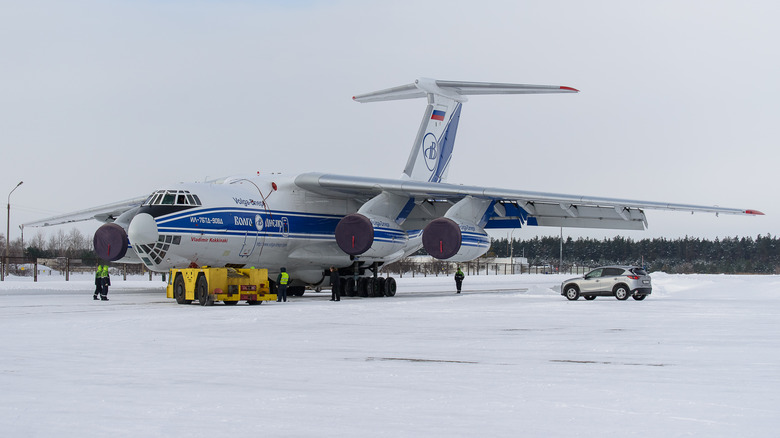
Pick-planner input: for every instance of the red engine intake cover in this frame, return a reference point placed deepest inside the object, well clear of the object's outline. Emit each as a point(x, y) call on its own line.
point(442, 238)
point(355, 234)
point(110, 242)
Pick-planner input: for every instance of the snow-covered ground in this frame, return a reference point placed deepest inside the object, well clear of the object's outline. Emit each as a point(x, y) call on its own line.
point(508, 357)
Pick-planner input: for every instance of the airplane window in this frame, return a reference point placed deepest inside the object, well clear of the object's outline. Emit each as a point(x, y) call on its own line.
point(168, 199)
point(181, 200)
point(156, 200)
point(149, 199)
point(190, 199)
point(197, 200)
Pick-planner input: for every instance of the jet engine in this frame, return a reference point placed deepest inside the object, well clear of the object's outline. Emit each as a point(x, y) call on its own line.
point(110, 242)
point(369, 235)
point(454, 240)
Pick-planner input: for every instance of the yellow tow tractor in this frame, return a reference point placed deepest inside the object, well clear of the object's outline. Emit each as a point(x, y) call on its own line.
point(228, 285)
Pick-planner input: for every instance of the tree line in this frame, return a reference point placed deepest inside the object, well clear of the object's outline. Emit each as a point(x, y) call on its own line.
point(730, 255)
point(71, 244)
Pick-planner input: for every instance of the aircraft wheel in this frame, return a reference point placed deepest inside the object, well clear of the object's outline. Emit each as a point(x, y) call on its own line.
point(571, 292)
point(350, 287)
point(178, 290)
point(363, 287)
point(373, 287)
point(380, 289)
point(621, 292)
point(390, 287)
point(342, 287)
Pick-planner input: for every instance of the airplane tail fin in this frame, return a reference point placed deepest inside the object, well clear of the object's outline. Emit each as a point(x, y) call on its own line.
point(430, 156)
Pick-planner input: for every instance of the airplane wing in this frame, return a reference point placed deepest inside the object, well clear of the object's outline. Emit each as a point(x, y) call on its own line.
point(104, 213)
point(514, 208)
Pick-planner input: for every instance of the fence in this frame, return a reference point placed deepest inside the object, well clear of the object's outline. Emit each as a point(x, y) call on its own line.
point(437, 268)
point(33, 267)
point(62, 266)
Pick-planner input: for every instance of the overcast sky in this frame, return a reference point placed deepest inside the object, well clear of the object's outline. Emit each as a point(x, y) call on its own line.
point(102, 101)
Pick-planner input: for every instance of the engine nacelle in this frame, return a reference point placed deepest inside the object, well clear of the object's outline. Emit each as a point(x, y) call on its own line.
point(458, 241)
point(110, 242)
point(369, 236)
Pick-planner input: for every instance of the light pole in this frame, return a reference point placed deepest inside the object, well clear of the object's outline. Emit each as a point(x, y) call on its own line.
point(8, 227)
point(512, 250)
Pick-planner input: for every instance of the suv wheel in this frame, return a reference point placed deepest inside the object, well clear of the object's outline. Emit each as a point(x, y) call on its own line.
point(621, 292)
point(571, 292)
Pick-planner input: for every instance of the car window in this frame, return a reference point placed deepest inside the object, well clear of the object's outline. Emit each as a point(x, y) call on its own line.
point(594, 273)
point(612, 272)
point(639, 271)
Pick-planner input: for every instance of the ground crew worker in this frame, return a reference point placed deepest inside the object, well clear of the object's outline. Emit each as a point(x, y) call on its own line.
point(459, 279)
point(98, 281)
point(335, 283)
point(106, 284)
point(282, 279)
point(102, 281)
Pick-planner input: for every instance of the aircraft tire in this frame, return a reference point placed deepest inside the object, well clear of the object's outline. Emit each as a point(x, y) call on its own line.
point(342, 287)
point(363, 287)
point(390, 287)
point(350, 287)
point(381, 286)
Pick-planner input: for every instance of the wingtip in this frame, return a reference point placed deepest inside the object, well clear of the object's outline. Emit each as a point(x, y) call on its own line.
point(570, 89)
point(754, 212)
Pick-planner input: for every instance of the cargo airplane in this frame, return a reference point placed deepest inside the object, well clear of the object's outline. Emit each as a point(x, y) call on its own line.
point(312, 221)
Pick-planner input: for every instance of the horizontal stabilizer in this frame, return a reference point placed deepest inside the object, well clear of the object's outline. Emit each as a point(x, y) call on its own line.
point(456, 90)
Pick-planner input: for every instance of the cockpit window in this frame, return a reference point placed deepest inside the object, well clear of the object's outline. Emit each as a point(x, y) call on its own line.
point(172, 197)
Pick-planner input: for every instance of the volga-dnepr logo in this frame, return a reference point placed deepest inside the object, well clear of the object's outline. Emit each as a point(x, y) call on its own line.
point(430, 147)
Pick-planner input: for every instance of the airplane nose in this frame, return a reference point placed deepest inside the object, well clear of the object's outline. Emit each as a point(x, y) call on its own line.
point(143, 230)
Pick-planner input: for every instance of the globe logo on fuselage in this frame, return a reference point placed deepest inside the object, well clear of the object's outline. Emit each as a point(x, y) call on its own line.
point(430, 151)
point(258, 222)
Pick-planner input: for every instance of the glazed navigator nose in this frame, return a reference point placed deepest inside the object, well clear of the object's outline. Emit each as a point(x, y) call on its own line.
point(143, 230)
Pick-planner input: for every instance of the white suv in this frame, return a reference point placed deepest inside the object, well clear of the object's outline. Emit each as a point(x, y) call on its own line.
point(618, 281)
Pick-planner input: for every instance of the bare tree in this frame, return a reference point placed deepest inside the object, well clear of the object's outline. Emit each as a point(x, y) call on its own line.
point(75, 242)
point(39, 241)
point(57, 244)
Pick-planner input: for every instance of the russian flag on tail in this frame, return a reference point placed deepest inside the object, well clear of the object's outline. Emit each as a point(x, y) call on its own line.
point(437, 115)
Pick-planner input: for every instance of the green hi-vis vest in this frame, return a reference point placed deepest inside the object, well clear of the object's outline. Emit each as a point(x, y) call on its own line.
point(285, 278)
